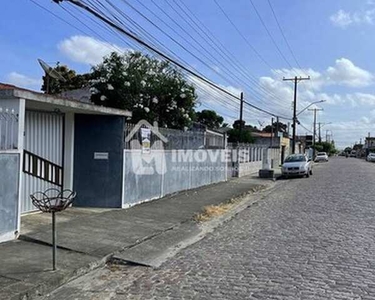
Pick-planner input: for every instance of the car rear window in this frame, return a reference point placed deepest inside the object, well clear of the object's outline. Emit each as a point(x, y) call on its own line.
point(322, 153)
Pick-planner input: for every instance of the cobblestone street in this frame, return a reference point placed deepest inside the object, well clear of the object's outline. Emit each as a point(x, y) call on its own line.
point(309, 239)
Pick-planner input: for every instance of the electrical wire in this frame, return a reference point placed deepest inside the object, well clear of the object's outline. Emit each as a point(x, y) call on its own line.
point(238, 67)
point(165, 56)
point(270, 35)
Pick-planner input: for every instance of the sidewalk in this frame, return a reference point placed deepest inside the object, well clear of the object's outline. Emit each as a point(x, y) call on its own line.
point(88, 238)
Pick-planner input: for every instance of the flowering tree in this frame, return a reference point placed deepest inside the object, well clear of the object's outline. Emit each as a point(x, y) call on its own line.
point(152, 89)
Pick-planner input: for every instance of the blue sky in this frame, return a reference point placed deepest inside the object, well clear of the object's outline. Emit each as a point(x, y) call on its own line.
point(331, 40)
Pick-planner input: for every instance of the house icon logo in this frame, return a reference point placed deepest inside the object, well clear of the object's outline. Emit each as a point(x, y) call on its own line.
point(147, 157)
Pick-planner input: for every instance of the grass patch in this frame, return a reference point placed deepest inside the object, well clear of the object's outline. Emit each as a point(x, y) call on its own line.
point(212, 211)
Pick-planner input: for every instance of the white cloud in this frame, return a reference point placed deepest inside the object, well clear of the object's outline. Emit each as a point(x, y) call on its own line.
point(343, 73)
point(346, 73)
point(343, 19)
point(24, 81)
point(87, 50)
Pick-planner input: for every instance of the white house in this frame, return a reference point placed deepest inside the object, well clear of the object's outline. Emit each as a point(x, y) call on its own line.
point(48, 141)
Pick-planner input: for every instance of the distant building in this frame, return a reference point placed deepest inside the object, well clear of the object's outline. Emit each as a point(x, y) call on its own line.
point(369, 145)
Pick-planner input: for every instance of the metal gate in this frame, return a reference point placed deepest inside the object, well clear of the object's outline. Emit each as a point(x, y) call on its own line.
point(43, 155)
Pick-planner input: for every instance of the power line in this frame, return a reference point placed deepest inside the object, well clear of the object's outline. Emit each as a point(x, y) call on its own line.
point(283, 35)
point(155, 50)
point(286, 40)
point(296, 81)
point(270, 35)
point(58, 17)
point(241, 34)
point(220, 49)
point(211, 58)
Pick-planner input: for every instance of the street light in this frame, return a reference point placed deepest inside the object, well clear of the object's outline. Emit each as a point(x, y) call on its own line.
point(311, 104)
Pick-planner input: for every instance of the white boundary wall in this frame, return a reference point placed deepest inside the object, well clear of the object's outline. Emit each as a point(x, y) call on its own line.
point(160, 173)
point(254, 162)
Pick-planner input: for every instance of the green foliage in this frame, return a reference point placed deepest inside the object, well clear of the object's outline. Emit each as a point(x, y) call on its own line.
point(234, 135)
point(152, 89)
point(209, 118)
point(237, 123)
point(348, 149)
point(282, 127)
point(73, 81)
point(327, 147)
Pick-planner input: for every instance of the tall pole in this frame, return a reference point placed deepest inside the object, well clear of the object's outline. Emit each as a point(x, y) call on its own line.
point(314, 138)
point(241, 119)
point(294, 115)
point(315, 110)
point(54, 247)
point(271, 144)
point(296, 80)
point(320, 136)
point(277, 126)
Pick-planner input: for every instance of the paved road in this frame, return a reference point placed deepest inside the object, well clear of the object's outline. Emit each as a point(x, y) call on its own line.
point(312, 239)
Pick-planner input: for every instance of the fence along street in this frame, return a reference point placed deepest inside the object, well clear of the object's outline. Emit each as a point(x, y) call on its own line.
point(8, 129)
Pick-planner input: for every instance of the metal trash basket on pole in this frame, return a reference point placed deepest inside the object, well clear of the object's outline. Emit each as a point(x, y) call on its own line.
point(51, 201)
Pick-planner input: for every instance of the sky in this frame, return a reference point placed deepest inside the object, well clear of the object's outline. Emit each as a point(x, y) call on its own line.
point(243, 46)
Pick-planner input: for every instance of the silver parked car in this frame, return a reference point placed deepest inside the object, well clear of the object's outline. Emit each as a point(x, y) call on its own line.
point(321, 156)
point(371, 157)
point(297, 165)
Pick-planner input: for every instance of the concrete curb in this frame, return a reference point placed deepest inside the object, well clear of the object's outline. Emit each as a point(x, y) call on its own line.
point(185, 234)
point(44, 288)
point(198, 231)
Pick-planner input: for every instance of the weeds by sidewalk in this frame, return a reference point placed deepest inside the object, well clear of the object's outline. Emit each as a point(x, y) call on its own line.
point(211, 211)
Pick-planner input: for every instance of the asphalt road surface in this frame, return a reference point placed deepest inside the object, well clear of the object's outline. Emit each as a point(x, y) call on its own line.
point(310, 239)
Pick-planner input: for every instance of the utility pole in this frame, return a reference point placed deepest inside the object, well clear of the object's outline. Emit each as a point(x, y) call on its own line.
point(241, 119)
point(271, 144)
point(277, 126)
point(314, 134)
point(320, 136)
point(296, 80)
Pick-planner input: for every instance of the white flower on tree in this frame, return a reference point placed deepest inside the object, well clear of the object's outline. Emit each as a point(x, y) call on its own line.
point(147, 110)
point(110, 87)
point(155, 100)
point(103, 98)
point(127, 83)
point(143, 83)
point(183, 96)
point(94, 91)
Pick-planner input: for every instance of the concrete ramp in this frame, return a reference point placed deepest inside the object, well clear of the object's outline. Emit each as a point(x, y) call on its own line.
point(155, 251)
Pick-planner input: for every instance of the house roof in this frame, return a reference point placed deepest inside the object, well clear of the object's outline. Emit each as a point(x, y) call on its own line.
point(37, 100)
point(5, 86)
